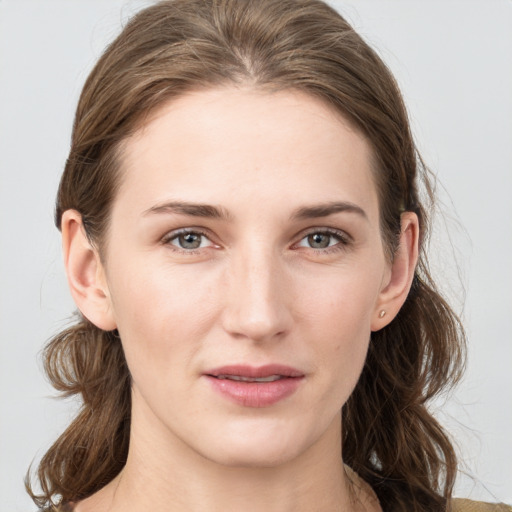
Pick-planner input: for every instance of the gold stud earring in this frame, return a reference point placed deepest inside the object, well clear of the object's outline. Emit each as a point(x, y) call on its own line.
point(382, 314)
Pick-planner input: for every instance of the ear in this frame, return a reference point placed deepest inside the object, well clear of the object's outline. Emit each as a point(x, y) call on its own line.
point(86, 276)
point(399, 279)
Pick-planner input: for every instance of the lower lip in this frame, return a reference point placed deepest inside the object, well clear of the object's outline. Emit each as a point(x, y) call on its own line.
point(255, 394)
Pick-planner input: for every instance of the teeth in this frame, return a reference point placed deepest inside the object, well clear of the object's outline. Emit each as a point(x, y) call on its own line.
point(270, 378)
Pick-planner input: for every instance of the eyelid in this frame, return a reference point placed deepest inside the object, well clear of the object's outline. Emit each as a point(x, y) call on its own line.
point(328, 231)
point(344, 239)
point(171, 235)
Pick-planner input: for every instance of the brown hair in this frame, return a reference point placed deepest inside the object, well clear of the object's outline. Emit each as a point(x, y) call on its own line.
point(389, 436)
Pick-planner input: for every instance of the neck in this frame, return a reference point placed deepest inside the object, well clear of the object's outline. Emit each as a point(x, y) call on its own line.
point(164, 473)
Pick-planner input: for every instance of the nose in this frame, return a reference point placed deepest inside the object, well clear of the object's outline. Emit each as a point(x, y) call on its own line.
point(258, 298)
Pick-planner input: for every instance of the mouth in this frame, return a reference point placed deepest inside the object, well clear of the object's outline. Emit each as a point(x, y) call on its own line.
point(255, 386)
point(269, 372)
point(241, 378)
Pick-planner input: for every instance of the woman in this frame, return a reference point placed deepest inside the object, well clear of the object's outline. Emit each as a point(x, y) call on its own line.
point(243, 237)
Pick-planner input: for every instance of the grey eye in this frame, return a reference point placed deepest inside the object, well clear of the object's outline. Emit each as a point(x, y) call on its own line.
point(320, 240)
point(188, 240)
point(324, 239)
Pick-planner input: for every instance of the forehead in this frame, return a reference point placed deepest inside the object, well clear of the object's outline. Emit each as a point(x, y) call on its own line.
point(221, 144)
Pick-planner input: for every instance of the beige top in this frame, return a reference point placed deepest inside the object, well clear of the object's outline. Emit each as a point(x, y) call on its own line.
point(460, 505)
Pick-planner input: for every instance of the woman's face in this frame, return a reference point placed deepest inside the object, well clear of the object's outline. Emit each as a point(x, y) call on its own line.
point(245, 272)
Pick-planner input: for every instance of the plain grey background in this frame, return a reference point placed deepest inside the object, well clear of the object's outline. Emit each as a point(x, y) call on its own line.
point(452, 59)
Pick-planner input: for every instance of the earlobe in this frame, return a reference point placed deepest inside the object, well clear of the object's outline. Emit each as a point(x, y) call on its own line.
point(396, 288)
point(85, 273)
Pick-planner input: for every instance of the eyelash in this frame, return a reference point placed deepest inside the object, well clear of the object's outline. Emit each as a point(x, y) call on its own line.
point(343, 240)
point(173, 235)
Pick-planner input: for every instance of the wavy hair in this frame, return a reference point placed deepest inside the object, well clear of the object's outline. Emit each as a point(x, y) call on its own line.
point(389, 436)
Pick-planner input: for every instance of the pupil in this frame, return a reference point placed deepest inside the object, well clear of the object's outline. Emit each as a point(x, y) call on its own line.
point(318, 240)
point(190, 241)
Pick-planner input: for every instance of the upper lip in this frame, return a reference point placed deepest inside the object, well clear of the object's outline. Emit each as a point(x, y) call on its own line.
point(243, 370)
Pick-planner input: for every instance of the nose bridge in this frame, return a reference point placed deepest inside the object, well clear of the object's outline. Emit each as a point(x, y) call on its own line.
point(257, 307)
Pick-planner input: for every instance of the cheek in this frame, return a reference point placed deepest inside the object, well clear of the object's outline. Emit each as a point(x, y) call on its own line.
point(161, 314)
point(343, 300)
point(339, 318)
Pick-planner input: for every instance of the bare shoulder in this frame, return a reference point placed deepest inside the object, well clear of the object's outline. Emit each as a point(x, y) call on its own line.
point(462, 505)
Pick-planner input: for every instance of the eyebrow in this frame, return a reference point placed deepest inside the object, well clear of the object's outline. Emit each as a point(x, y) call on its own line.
point(218, 212)
point(326, 209)
point(192, 209)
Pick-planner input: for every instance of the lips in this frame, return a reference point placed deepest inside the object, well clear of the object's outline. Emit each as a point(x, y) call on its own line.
point(241, 378)
point(250, 386)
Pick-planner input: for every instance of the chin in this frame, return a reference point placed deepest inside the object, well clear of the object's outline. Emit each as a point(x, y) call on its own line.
point(256, 457)
point(258, 447)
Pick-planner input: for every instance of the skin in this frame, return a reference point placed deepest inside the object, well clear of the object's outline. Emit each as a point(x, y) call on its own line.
point(265, 285)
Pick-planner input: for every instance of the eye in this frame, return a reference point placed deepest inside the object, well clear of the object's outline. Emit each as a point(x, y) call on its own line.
point(188, 240)
point(320, 240)
point(324, 239)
